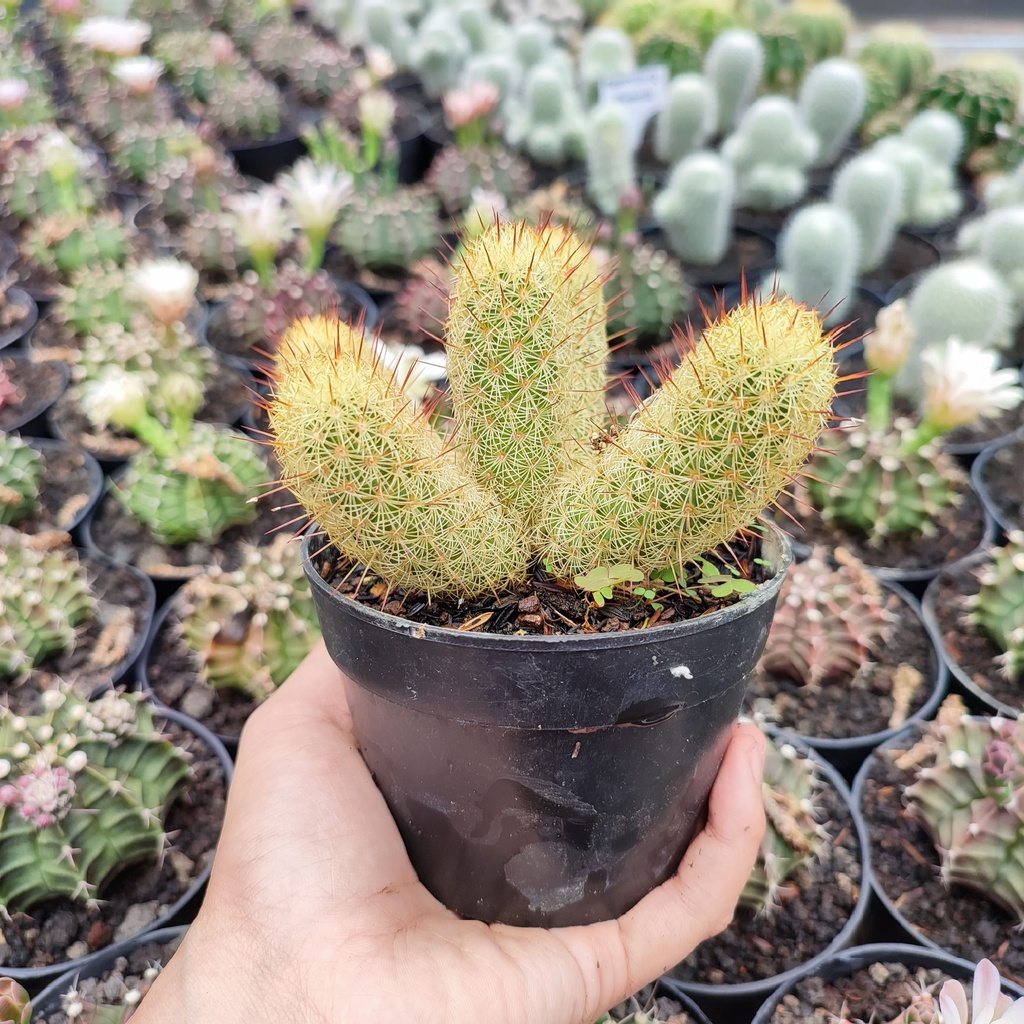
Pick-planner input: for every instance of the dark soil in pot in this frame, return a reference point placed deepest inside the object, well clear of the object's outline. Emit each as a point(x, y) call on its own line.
point(71, 485)
point(998, 474)
point(381, 285)
point(105, 647)
point(905, 868)
point(22, 317)
point(38, 385)
point(59, 930)
point(749, 256)
point(657, 1004)
point(909, 255)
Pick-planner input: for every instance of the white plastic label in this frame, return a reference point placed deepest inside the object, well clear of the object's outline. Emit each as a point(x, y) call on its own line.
point(642, 94)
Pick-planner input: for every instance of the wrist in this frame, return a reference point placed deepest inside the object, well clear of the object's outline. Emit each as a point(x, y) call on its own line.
point(165, 1001)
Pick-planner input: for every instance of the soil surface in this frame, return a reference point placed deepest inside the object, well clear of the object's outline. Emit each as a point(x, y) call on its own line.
point(749, 255)
point(816, 902)
point(1003, 479)
point(37, 384)
point(540, 607)
point(906, 867)
point(909, 254)
point(840, 708)
point(657, 1007)
point(968, 645)
point(59, 930)
point(64, 492)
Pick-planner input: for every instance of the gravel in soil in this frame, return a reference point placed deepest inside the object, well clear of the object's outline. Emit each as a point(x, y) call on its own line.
point(66, 489)
point(815, 904)
point(973, 651)
point(37, 386)
point(841, 708)
point(1003, 479)
point(59, 930)
point(654, 1007)
point(906, 867)
point(126, 975)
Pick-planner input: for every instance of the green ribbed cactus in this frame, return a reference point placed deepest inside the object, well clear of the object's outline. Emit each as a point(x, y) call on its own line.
point(969, 771)
point(733, 67)
point(832, 100)
point(695, 208)
point(195, 489)
point(250, 628)
point(526, 471)
point(998, 607)
point(819, 251)
point(21, 473)
point(903, 51)
point(385, 230)
point(246, 107)
point(871, 191)
point(44, 598)
point(785, 62)
point(687, 120)
point(821, 26)
point(938, 133)
point(793, 835)
point(874, 487)
point(548, 123)
point(611, 169)
point(646, 294)
point(86, 787)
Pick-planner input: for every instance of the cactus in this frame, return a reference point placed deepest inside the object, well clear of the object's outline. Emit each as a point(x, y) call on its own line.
point(209, 243)
point(664, 43)
point(548, 124)
point(526, 344)
point(555, 205)
point(188, 56)
point(96, 777)
point(821, 26)
point(1001, 246)
point(389, 230)
point(793, 836)
point(733, 67)
point(248, 107)
point(687, 120)
point(63, 245)
point(871, 191)
point(196, 489)
point(9, 391)
point(903, 51)
point(785, 62)
point(15, 1003)
point(968, 771)
point(611, 169)
point(439, 50)
point(873, 486)
point(143, 150)
point(95, 296)
point(646, 294)
point(938, 133)
point(930, 195)
point(250, 628)
point(998, 606)
point(832, 100)
point(21, 473)
point(1005, 189)
point(828, 622)
point(421, 308)
point(290, 52)
point(98, 1009)
point(532, 42)
point(770, 149)
point(45, 598)
point(456, 174)
point(605, 51)
point(695, 209)
point(819, 251)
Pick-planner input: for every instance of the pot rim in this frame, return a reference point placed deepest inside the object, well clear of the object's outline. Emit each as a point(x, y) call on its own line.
point(981, 487)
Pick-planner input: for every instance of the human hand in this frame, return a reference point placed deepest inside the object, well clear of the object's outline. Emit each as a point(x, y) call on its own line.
point(314, 914)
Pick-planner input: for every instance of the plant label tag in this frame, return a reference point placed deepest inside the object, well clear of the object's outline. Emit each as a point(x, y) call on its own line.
point(642, 94)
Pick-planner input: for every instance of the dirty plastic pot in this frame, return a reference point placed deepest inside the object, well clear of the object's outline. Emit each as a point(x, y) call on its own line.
point(31, 420)
point(545, 780)
point(855, 959)
point(17, 332)
point(265, 160)
point(984, 470)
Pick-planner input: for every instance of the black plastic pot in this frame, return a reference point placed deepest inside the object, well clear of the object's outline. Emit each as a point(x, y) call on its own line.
point(49, 999)
point(39, 976)
point(847, 754)
point(727, 273)
point(95, 474)
point(8, 253)
point(265, 160)
point(983, 471)
point(545, 780)
point(31, 419)
point(850, 961)
point(736, 1002)
point(17, 333)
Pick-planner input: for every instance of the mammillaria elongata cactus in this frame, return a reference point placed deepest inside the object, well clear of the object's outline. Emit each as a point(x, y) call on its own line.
point(526, 350)
point(871, 191)
point(687, 120)
point(832, 100)
point(695, 208)
point(86, 787)
point(733, 68)
point(998, 607)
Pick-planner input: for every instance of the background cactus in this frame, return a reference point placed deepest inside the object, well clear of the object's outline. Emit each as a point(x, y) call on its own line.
point(821, 26)
point(247, 107)
point(646, 294)
point(250, 628)
point(785, 62)
point(420, 309)
point(695, 210)
point(829, 621)
point(385, 230)
point(606, 51)
point(819, 251)
point(733, 67)
point(611, 169)
point(938, 133)
point(439, 50)
point(96, 777)
point(63, 245)
point(903, 51)
point(548, 123)
point(44, 598)
point(871, 192)
point(456, 173)
point(930, 195)
point(793, 835)
point(1001, 246)
point(288, 52)
point(21, 473)
point(687, 120)
point(998, 607)
point(15, 1003)
point(832, 100)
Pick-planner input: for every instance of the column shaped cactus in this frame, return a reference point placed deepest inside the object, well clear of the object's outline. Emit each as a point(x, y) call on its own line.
point(687, 120)
point(733, 67)
point(695, 209)
point(832, 100)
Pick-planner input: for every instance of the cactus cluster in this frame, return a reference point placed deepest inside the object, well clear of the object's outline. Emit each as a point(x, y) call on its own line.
point(829, 621)
point(646, 294)
point(250, 628)
point(695, 209)
point(456, 174)
point(687, 120)
point(384, 230)
point(733, 68)
point(21, 473)
point(95, 778)
point(870, 190)
point(292, 53)
point(526, 345)
point(44, 598)
point(611, 168)
point(548, 123)
point(968, 772)
point(832, 100)
point(793, 834)
point(143, 150)
point(998, 607)
point(62, 245)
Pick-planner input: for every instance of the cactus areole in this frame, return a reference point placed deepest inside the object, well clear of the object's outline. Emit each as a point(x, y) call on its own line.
point(544, 779)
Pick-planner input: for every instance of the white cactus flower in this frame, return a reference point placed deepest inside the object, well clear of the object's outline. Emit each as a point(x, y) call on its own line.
point(60, 156)
point(888, 347)
point(140, 74)
point(260, 220)
point(415, 369)
point(12, 93)
point(114, 398)
point(117, 36)
point(168, 288)
point(315, 193)
point(988, 1004)
point(963, 385)
point(377, 111)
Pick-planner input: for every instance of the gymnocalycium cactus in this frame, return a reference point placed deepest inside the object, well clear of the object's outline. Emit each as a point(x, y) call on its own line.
point(92, 777)
point(832, 100)
point(695, 208)
point(44, 598)
point(526, 350)
point(793, 835)
point(21, 473)
point(998, 607)
point(829, 621)
point(250, 628)
point(733, 67)
point(687, 120)
point(384, 229)
point(871, 192)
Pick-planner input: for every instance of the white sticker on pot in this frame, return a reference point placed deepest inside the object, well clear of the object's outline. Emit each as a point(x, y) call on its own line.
point(641, 92)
